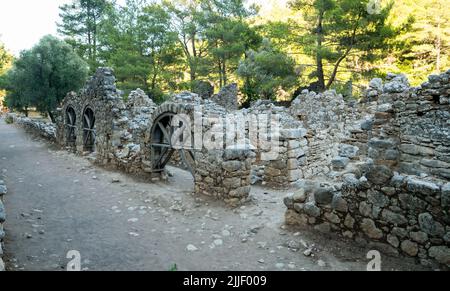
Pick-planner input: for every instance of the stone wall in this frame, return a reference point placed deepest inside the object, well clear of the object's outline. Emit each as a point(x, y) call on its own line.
point(46, 130)
point(281, 152)
point(329, 122)
point(123, 134)
point(3, 191)
point(395, 198)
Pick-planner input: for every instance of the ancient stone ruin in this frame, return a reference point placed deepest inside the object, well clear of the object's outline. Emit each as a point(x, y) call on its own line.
point(375, 171)
point(389, 187)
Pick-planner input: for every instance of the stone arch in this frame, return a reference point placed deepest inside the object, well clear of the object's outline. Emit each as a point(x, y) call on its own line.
point(89, 129)
point(70, 124)
point(171, 132)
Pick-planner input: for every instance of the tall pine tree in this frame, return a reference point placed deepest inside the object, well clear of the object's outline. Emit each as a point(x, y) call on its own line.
point(81, 21)
point(338, 29)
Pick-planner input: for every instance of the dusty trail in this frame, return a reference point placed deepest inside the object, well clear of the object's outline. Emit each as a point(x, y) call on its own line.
point(58, 202)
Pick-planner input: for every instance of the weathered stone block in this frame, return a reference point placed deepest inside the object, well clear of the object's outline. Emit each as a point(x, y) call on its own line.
point(410, 248)
point(332, 217)
point(292, 164)
point(311, 209)
point(348, 151)
point(340, 163)
point(3, 190)
point(445, 196)
point(370, 229)
point(232, 166)
point(349, 221)
point(440, 254)
point(379, 175)
point(232, 183)
point(294, 175)
point(429, 225)
point(323, 196)
point(422, 187)
point(299, 196)
point(240, 192)
point(339, 203)
point(394, 218)
point(419, 236)
point(272, 172)
point(2, 212)
point(393, 240)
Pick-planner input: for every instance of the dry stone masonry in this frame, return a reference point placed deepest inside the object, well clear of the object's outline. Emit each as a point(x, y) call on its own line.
point(394, 193)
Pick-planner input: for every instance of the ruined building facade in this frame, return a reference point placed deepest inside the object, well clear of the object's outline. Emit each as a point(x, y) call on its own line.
point(376, 171)
point(390, 188)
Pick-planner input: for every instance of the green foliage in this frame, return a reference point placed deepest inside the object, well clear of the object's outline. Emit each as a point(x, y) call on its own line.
point(426, 40)
point(42, 76)
point(265, 71)
point(5, 59)
point(228, 36)
point(5, 63)
point(165, 46)
point(81, 23)
point(9, 119)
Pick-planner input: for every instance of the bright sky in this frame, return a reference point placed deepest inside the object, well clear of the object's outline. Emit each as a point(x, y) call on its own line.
point(24, 22)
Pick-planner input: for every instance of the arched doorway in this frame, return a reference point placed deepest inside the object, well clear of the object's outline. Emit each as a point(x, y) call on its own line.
point(166, 139)
point(70, 124)
point(89, 133)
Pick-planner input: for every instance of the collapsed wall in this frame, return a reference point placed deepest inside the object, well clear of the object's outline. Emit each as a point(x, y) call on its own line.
point(329, 122)
point(396, 198)
point(140, 137)
point(44, 129)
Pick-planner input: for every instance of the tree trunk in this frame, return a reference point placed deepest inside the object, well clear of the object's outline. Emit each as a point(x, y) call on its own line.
point(335, 69)
point(319, 59)
point(52, 117)
point(219, 64)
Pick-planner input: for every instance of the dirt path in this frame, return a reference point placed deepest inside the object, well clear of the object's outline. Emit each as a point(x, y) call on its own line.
point(58, 202)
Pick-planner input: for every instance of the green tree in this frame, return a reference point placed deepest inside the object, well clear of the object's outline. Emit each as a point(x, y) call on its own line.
point(229, 35)
point(42, 76)
point(5, 63)
point(265, 71)
point(5, 59)
point(336, 30)
point(426, 47)
point(142, 48)
point(186, 20)
point(81, 25)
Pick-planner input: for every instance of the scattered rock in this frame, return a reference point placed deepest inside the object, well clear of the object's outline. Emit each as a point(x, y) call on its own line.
point(307, 253)
point(191, 248)
point(430, 226)
point(370, 229)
